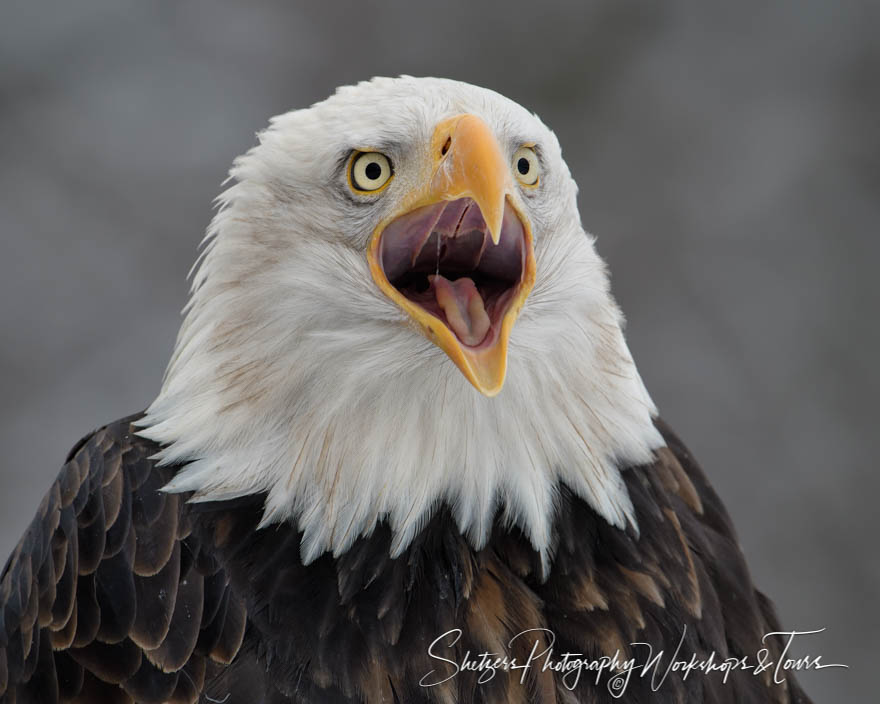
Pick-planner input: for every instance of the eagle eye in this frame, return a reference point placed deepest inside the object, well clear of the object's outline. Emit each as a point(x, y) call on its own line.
point(526, 166)
point(369, 171)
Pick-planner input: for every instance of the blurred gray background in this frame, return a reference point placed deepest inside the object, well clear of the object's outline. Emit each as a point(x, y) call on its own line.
point(728, 158)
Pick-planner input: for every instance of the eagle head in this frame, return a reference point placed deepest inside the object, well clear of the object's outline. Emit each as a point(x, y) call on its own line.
point(397, 308)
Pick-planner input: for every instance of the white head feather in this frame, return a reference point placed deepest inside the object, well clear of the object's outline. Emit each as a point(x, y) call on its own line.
point(294, 375)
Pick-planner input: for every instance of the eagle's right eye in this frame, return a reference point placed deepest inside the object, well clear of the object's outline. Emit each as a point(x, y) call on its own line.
point(370, 171)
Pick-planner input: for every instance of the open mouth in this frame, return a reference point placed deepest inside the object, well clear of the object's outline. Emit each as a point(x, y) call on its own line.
point(441, 257)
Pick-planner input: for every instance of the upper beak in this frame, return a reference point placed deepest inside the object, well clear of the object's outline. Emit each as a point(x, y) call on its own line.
point(474, 166)
point(467, 162)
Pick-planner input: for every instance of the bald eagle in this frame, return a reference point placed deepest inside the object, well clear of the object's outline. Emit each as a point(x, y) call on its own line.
point(401, 453)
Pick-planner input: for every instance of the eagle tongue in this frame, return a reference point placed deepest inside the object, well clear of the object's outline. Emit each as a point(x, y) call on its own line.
point(464, 308)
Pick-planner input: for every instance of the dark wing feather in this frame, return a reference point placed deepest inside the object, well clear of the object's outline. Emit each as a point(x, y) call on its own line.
point(104, 598)
point(733, 611)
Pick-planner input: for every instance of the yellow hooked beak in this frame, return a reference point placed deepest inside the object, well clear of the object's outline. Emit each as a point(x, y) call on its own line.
point(468, 163)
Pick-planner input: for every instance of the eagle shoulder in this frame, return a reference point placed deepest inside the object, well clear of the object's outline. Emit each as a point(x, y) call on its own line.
point(109, 596)
point(728, 613)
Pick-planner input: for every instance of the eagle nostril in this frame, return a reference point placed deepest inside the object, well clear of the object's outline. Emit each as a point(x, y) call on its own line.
point(446, 146)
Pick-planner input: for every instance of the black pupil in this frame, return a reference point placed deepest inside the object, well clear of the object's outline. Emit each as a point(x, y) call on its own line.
point(373, 171)
point(523, 165)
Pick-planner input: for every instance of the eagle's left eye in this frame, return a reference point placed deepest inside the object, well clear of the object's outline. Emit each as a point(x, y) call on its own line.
point(370, 171)
point(526, 166)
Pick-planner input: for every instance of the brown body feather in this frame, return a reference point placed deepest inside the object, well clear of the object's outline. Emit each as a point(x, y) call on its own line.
point(120, 593)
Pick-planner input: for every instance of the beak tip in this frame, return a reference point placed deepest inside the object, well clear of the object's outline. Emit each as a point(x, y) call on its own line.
point(494, 225)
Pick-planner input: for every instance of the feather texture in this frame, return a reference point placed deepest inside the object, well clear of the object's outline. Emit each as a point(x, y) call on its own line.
point(103, 598)
point(233, 612)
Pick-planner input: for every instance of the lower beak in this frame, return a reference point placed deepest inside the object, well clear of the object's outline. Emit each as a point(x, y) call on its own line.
point(458, 258)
